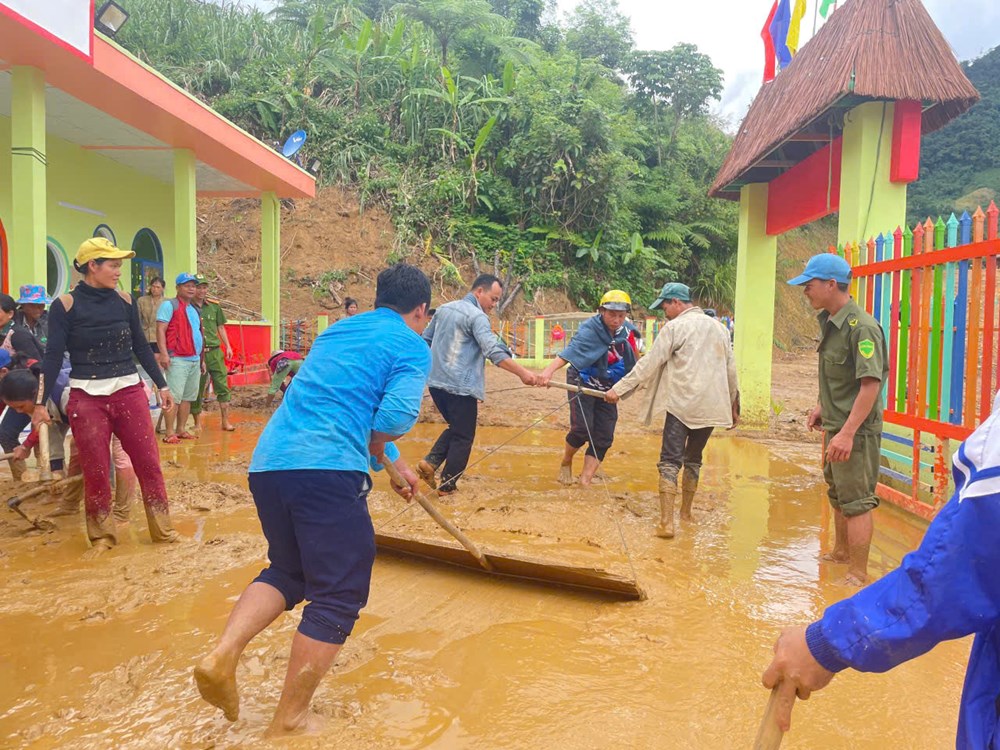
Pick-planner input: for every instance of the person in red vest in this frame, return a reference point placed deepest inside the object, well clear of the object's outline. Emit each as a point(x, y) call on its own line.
point(181, 342)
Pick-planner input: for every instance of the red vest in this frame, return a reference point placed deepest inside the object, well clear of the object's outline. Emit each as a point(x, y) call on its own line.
point(180, 337)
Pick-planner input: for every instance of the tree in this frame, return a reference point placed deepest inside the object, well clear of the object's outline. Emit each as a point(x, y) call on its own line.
point(446, 19)
point(526, 15)
point(682, 79)
point(598, 29)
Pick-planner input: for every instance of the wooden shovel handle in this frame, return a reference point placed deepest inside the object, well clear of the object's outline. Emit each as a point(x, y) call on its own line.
point(44, 464)
point(769, 735)
point(434, 513)
point(578, 389)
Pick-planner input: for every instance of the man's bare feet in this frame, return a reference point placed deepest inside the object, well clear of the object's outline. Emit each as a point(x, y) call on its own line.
point(216, 682)
point(99, 548)
point(834, 557)
point(426, 472)
point(856, 580)
point(565, 474)
point(308, 723)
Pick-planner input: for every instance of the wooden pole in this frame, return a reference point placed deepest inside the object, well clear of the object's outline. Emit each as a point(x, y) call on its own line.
point(769, 734)
point(578, 389)
point(44, 464)
point(434, 513)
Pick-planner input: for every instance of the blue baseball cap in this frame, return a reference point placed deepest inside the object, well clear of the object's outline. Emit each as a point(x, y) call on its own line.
point(824, 266)
point(184, 278)
point(5, 359)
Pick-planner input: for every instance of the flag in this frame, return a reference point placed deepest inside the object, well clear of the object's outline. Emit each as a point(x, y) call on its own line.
point(824, 6)
point(798, 11)
point(765, 34)
point(779, 32)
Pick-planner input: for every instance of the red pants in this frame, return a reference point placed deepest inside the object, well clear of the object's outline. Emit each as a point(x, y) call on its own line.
point(94, 419)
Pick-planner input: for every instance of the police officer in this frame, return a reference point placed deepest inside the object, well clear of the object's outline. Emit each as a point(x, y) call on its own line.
point(852, 370)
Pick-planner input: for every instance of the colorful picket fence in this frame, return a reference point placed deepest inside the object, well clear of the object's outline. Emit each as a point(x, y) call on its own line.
point(933, 289)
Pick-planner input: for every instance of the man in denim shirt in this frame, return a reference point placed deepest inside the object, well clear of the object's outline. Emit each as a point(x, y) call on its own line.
point(461, 339)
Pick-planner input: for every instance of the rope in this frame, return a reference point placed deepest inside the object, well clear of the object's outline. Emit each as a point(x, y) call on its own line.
point(607, 493)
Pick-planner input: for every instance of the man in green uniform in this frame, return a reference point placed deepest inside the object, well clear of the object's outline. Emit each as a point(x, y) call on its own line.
point(853, 367)
point(217, 348)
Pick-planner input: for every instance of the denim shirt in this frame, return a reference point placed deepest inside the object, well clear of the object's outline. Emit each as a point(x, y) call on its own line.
point(460, 338)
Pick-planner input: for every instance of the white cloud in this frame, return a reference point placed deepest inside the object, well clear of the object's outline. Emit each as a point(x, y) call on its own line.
point(728, 31)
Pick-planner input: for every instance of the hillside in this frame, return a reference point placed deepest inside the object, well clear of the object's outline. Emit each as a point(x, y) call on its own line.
point(330, 250)
point(960, 164)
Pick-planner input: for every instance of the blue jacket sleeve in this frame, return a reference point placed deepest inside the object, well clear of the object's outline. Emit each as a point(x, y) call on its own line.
point(391, 453)
point(586, 346)
point(400, 405)
point(948, 588)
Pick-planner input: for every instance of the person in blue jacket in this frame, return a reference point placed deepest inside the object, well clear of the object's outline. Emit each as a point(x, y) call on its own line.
point(948, 588)
point(359, 389)
point(599, 355)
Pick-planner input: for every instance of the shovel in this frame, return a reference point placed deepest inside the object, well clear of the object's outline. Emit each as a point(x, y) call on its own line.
point(41, 524)
point(434, 513)
point(769, 734)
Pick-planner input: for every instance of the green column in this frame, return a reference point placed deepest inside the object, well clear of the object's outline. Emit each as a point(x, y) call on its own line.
point(755, 268)
point(185, 251)
point(868, 201)
point(270, 282)
point(322, 323)
point(28, 192)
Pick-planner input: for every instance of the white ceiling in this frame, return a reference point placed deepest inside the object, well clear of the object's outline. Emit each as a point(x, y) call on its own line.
point(68, 118)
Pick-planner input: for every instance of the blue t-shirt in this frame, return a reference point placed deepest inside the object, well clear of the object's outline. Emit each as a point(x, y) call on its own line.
point(365, 374)
point(166, 312)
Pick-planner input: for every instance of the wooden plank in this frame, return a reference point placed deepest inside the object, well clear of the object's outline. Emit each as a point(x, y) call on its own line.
point(948, 340)
point(989, 325)
point(935, 328)
point(868, 282)
point(902, 359)
point(915, 324)
point(961, 325)
point(581, 578)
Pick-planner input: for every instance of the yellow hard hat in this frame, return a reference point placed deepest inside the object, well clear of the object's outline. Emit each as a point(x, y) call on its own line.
point(616, 299)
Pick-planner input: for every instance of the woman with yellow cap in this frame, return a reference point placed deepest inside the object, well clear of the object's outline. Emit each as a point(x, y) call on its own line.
point(99, 328)
point(599, 355)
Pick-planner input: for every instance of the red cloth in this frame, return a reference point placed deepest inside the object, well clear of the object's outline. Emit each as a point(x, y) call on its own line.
point(769, 53)
point(180, 336)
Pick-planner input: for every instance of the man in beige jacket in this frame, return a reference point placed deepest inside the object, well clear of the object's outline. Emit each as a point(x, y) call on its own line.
point(691, 376)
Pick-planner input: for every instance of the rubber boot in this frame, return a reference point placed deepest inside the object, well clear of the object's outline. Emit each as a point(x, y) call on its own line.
point(161, 530)
point(17, 468)
point(426, 471)
point(668, 495)
point(689, 485)
point(101, 532)
point(69, 503)
point(125, 482)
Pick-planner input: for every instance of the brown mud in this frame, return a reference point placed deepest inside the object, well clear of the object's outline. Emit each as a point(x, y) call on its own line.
point(99, 654)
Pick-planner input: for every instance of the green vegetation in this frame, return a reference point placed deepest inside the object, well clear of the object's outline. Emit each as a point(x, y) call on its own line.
point(960, 164)
point(557, 154)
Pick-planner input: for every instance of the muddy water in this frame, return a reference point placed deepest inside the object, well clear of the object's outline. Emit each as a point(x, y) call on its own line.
point(98, 654)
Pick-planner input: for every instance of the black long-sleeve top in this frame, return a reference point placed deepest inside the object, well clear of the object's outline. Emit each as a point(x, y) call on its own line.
point(101, 332)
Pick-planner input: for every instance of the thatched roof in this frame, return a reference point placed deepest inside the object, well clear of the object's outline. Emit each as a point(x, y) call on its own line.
point(868, 50)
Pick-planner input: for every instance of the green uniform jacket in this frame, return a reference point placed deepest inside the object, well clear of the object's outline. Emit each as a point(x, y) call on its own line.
point(212, 318)
point(852, 346)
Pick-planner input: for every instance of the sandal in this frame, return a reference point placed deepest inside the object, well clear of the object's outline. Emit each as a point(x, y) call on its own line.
point(186, 436)
point(171, 440)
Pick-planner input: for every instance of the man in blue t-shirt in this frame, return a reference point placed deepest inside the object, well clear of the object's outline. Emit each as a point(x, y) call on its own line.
point(181, 342)
point(359, 388)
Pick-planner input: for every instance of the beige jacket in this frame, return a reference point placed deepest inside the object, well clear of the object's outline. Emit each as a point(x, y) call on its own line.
point(690, 372)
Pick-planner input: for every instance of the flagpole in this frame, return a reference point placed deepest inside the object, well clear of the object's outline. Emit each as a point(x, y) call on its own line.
point(815, 15)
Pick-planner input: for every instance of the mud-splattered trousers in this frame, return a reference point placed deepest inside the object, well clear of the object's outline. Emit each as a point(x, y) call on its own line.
point(682, 446)
point(591, 421)
point(94, 419)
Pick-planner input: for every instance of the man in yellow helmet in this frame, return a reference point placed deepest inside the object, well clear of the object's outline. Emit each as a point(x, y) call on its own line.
point(599, 355)
point(691, 375)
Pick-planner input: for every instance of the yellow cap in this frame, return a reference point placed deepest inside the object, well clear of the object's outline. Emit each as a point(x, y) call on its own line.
point(616, 299)
point(98, 247)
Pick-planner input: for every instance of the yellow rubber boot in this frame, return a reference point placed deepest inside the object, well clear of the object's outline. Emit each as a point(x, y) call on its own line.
point(668, 495)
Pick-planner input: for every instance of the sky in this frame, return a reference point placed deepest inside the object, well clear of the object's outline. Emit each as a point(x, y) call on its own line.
point(731, 36)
